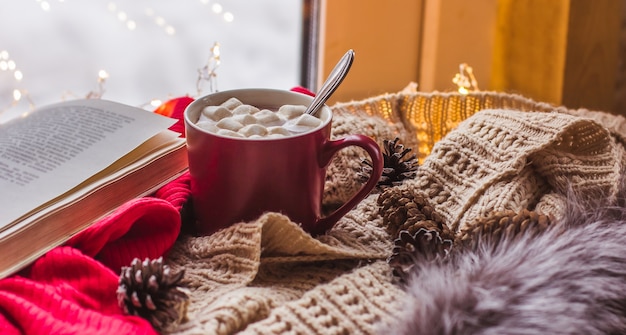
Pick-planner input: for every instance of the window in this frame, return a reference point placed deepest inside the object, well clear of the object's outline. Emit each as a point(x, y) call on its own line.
point(137, 51)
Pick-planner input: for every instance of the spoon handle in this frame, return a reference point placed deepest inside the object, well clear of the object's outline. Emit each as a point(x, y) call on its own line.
point(335, 78)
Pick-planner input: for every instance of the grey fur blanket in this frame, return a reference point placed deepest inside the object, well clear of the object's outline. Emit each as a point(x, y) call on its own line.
point(569, 279)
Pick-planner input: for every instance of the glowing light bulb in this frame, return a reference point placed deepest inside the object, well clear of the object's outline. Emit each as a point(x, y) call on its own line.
point(465, 79)
point(45, 6)
point(215, 50)
point(207, 72)
point(102, 74)
point(217, 8)
point(18, 75)
point(156, 103)
point(17, 95)
point(229, 17)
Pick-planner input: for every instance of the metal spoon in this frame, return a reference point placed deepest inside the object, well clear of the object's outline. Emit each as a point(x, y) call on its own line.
point(329, 86)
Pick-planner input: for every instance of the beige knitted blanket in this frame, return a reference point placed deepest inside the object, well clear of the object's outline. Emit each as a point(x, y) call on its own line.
point(479, 153)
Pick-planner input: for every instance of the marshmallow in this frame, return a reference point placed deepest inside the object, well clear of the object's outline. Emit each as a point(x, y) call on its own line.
point(245, 109)
point(208, 126)
point(231, 103)
point(253, 129)
point(291, 111)
point(245, 119)
point(268, 118)
point(308, 120)
point(228, 133)
point(229, 124)
point(216, 113)
point(278, 130)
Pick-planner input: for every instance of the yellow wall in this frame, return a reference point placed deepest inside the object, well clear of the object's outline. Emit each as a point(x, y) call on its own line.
point(385, 36)
point(563, 52)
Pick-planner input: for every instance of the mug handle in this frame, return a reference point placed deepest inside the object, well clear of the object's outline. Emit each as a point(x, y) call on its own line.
point(330, 148)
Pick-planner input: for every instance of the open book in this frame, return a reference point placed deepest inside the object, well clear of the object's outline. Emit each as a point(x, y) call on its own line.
point(66, 165)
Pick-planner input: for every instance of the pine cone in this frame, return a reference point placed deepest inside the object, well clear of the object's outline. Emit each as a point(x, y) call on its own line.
point(499, 226)
point(402, 209)
point(396, 167)
point(409, 248)
point(150, 290)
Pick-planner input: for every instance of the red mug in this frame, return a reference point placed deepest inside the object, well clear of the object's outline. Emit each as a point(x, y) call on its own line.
point(238, 179)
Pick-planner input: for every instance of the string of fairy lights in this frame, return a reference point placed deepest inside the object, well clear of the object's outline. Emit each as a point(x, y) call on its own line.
point(207, 73)
point(465, 79)
point(45, 5)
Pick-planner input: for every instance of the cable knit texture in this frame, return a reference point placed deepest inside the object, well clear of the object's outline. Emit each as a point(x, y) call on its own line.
point(479, 153)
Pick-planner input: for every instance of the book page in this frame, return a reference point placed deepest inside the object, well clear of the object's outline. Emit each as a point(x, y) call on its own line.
point(56, 148)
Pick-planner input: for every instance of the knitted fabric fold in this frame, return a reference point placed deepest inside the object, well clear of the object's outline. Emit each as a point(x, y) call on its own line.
point(240, 274)
point(475, 166)
point(66, 293)
point(144, 227)
point(359, 302)
point(71, 289)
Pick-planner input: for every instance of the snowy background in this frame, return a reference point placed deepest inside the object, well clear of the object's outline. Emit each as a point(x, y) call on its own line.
point(150, 49)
